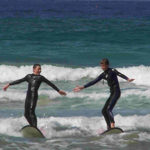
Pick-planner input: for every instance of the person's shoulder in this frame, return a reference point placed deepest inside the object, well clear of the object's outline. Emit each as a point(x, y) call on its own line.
point(28, 75)
point(113, 69)
point(102, 74)
point(42, 77)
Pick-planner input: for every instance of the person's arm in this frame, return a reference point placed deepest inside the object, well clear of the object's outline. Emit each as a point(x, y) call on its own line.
point(53, 86)
point(122, 76)
point(78, 88)
point(18, 81)
point(15, 82)
point(94, 81)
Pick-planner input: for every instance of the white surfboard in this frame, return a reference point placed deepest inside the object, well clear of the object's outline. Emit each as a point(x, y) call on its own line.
point(113, 131)
point(31, 132)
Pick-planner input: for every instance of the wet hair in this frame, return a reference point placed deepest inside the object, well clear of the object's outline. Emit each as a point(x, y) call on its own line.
point(35, 65)
point(105, 61)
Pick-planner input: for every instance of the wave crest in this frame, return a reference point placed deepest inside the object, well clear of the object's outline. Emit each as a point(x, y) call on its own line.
point(53, 73)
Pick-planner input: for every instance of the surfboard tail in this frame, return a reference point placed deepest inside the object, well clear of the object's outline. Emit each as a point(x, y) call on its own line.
point(31, 132)
point(113, 131)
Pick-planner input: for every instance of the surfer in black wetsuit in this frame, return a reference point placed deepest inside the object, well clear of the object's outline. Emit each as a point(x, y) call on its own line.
point(34, 81)
point(110, 75)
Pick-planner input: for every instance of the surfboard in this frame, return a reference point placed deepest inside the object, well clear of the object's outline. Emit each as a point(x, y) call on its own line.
point(31, 132)
point(113, 131)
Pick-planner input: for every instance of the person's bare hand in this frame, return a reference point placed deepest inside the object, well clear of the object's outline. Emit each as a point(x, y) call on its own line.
point(62, 93)
point(78, 88)
point(130, 80)
point(6, 87)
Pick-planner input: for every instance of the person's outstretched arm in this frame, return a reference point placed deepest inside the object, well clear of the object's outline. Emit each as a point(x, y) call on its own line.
point(78, 88)
point(53, 86)
point(123, 76)
point(15, 82)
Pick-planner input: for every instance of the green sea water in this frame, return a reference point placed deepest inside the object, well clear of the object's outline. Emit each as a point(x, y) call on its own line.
point(77, 42)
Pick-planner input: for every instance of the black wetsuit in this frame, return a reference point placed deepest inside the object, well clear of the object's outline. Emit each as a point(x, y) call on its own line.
point(111, 76)
point(34, 82)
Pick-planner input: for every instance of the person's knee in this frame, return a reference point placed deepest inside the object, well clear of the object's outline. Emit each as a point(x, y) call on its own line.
point(108, 110)
point(103, 111)
point(27, 113)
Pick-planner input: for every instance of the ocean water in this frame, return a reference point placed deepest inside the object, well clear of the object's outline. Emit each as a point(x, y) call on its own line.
point(69, 38)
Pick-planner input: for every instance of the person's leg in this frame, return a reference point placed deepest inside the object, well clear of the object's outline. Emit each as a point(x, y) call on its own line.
point(112, 102)
point(105, 114)
point(27, 107)
point(30, 105)
point(32, 110)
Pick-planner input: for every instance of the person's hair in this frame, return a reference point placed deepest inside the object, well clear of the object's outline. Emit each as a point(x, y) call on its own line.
point(35, 65)
point(105, 61)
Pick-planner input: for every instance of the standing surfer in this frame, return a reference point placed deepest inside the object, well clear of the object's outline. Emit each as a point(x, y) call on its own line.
point(110, 75)
point(34, 81)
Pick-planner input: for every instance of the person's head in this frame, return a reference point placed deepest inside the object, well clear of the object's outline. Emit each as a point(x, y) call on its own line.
point(104, 64)
point(37, 69)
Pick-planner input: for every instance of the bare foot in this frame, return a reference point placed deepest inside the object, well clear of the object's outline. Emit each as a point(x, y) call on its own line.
point(112, 125)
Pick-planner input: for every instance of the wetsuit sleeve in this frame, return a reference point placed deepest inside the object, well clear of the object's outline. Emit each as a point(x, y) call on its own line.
point(121, 75)
point(18, 81)
point(100, 77)
point(50, 84)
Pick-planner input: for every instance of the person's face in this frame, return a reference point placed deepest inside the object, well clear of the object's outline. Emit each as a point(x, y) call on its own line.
point(104, 66)
point(37, 70)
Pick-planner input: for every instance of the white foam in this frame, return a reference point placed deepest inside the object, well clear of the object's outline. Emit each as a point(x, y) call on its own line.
point(71, 126)
point(11, 126)
point(9, 73)
point(19, 95)
point(12, 95)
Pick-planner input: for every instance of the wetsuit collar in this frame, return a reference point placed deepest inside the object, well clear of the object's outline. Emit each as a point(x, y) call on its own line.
point(35, 74)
